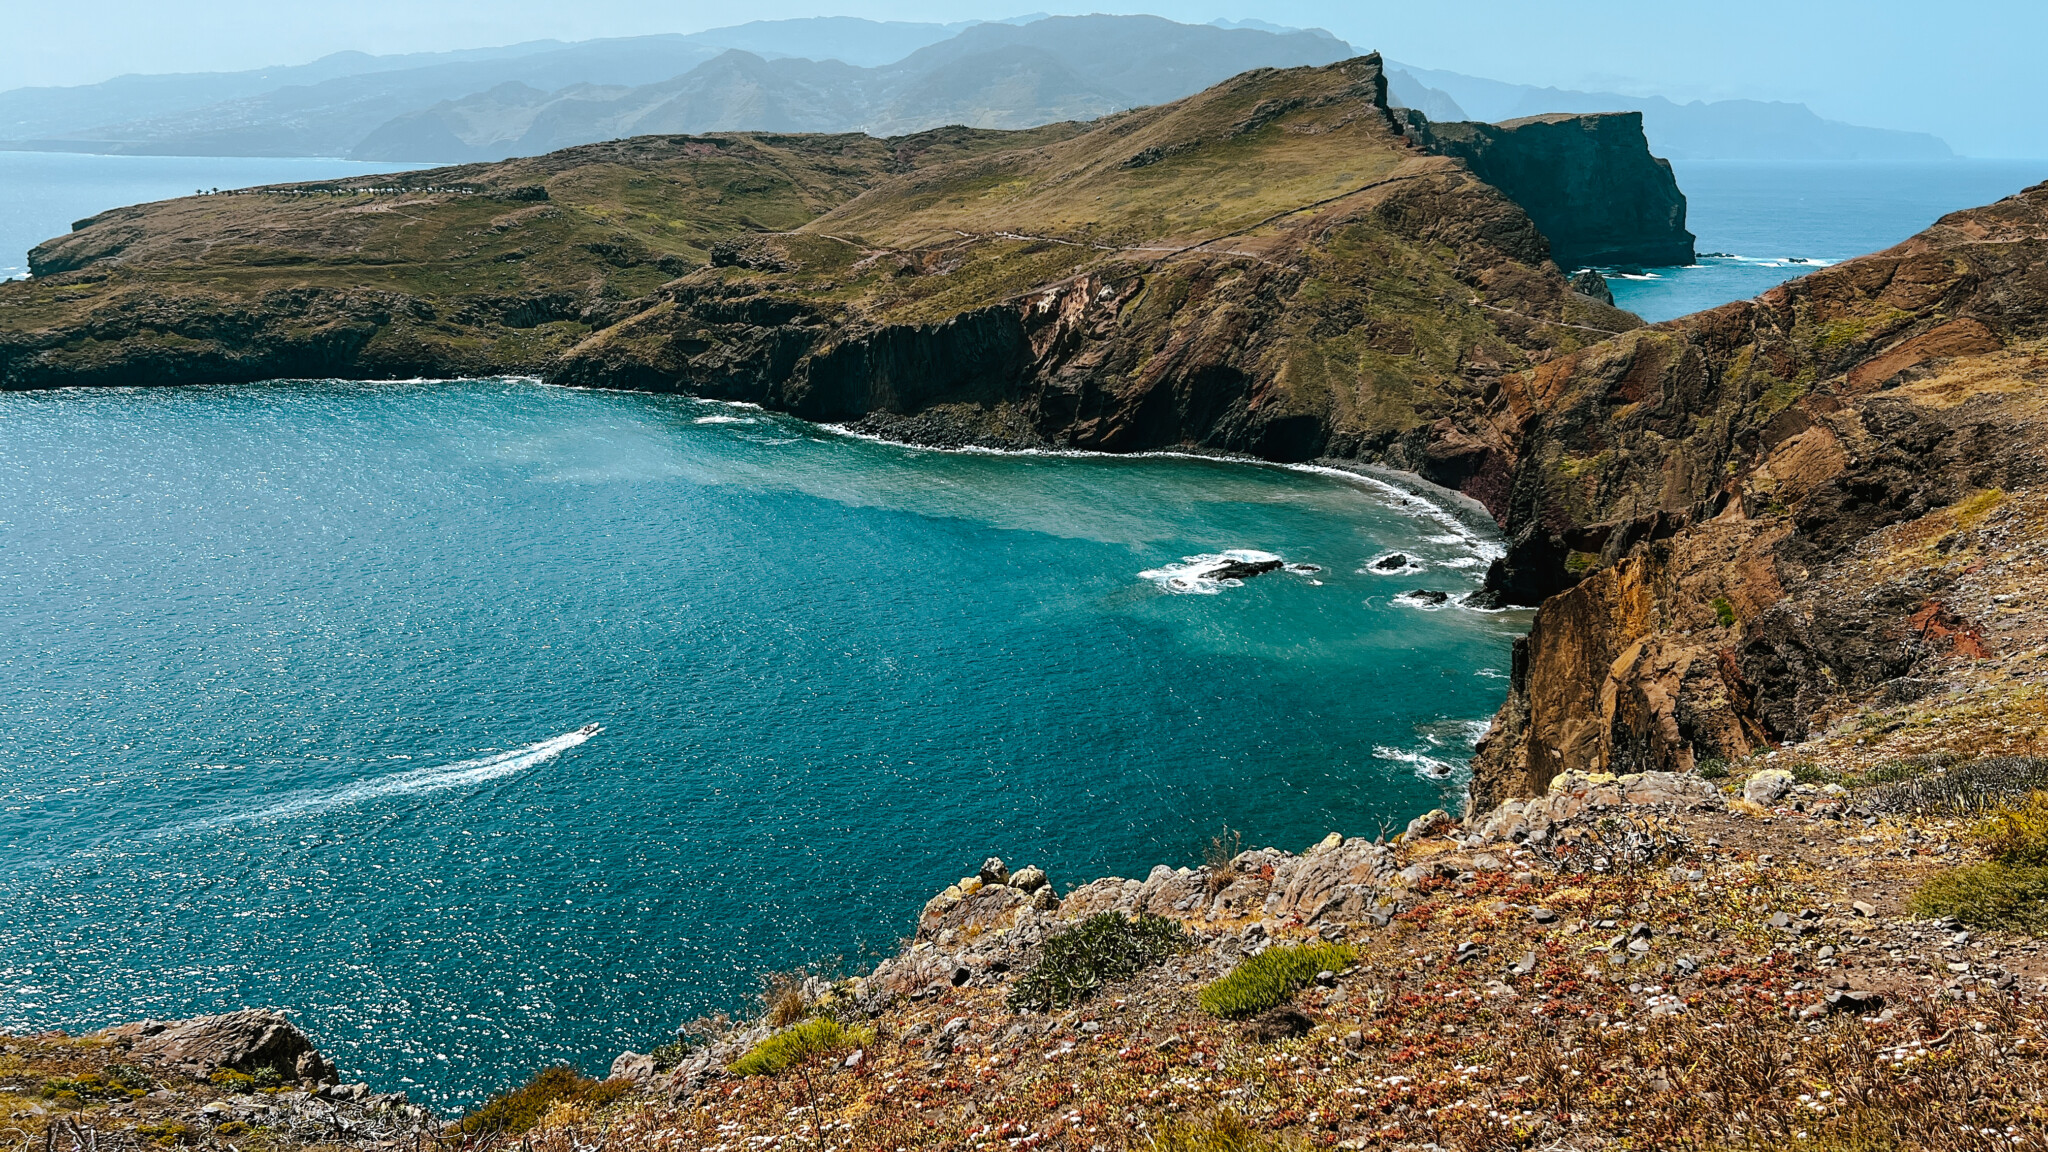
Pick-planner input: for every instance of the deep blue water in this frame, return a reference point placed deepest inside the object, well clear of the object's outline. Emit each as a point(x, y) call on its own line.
point(1768, 215)
point(288, 714)
point(293, 676)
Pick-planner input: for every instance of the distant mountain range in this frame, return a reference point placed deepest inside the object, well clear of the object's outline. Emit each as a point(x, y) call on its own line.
point(1721, 130)
point(824, 74)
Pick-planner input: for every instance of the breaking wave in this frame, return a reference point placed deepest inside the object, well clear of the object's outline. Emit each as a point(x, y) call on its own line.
point(1426, 766)
point(1186, 578)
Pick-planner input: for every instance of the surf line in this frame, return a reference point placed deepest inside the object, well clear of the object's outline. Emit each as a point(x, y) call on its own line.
point(412, 782)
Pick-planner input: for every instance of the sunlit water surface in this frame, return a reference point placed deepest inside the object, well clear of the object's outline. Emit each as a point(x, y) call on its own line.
point(291, 702)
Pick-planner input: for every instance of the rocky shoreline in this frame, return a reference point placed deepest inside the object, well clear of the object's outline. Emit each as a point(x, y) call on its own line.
point(1629, 923)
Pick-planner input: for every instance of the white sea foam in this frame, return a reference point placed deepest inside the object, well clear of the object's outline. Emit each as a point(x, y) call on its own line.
point(721, 420)
point(1186, 578)
point(1422, 603)
point(1492, 674)
point(440, 777)
point(1426, 766)
point(1397, 497)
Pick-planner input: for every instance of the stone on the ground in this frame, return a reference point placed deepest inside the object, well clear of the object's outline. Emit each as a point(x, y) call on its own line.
point(243, 1041)
point(1768, 786)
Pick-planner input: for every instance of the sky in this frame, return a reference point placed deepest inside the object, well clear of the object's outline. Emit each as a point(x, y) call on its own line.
point(1963, 69)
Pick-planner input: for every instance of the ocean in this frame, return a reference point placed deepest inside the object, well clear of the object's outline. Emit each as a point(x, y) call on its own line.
point(294, 710)
point(1761, 223)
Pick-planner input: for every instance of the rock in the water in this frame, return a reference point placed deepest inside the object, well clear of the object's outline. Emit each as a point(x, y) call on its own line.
point(1241, 569)
point(993, 871)
point(1391, 562)
point(1426, 596)
point(1768, 786)
point(1592, 284)
point(245, 1041)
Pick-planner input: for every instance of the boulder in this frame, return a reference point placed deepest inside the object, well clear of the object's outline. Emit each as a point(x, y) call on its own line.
point(993, 871)
point(635, 1066)
point(1592, 284)
point(1029, 879)
point(1337, 884)
point(991, 907)
point(1241, 569)
point(244, 1041)
point(1768, 786)
point(1391, 562)
point(1428, 824)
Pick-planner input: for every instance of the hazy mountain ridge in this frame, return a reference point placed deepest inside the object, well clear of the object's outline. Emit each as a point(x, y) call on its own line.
point(989, 76)
point(820, 74)
point(1699, 130)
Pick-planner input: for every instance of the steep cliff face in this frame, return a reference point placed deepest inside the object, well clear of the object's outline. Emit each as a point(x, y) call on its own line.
point(1588, 181)
point(1750, 521)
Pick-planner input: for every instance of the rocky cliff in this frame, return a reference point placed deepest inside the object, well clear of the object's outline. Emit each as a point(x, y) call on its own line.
point(1783, 517)
point(1588, 181)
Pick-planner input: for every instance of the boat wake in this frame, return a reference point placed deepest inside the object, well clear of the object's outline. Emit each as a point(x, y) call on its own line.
point(440, 777)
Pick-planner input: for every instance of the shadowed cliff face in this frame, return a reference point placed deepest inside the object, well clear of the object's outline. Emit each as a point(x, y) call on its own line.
point(1589, 182)
point(1751, 520)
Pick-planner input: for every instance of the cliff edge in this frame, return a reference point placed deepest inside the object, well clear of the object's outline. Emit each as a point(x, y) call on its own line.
point(1811, 517)
point(1588, 181)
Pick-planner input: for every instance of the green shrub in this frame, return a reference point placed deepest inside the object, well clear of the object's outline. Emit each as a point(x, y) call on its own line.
point(1223, 1132)
point(2017, 834)
point(1988, 895)
point(818, 1036)
point(1268, 979)
point(510, 1113)
point(116, 1082)
point(1977, 786)
point(1713, 769)
point(1104, 947)
point(1724, 612)
point(1807, 772)
point(166, 1132)
point(1898, 771)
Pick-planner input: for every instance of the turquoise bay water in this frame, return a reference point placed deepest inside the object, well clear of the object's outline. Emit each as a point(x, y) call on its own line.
point(1776, 221)
point(290, 709)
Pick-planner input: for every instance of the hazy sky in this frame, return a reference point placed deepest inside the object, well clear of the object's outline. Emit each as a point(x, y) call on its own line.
point(1965, 69)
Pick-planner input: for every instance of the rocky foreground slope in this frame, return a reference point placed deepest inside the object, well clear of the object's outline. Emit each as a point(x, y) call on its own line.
point(1653, 961)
